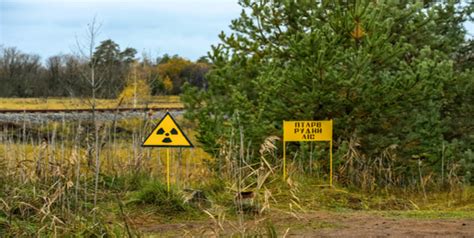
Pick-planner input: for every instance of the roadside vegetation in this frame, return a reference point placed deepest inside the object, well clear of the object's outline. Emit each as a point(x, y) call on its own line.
point(47, 178)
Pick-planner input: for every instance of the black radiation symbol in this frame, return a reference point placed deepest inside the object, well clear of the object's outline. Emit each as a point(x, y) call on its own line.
point(167, 139)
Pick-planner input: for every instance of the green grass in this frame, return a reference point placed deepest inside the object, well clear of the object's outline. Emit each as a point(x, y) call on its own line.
point(429, 214)
point(169, 203)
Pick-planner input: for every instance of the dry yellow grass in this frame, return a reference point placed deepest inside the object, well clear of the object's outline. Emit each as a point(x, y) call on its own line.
point(187, 166)
point(119, 157)
point(76, 103)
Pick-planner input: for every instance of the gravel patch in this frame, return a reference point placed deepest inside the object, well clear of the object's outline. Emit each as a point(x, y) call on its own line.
point(80, 116)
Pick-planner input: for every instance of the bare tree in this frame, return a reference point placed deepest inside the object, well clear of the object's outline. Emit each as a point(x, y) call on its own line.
point(86, 50)
point(20, 73)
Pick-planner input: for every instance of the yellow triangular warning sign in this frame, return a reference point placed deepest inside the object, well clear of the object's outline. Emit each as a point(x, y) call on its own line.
point(167, 134)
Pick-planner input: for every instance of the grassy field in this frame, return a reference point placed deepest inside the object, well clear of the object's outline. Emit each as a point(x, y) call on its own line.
point(75, 103)
point(49, 176)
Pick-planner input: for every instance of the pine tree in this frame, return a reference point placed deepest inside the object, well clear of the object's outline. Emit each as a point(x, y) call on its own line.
point(378, 69)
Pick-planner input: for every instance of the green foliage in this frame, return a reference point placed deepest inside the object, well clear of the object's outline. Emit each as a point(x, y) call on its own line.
point(3, 223)
point(89, 229)
point(467, 164)
point(36, 210)
point(214, 185)
point(385, 87)
point(112, 67)
point(271, 230)
point(155, 193)
point(128, 182)
point(456, 152)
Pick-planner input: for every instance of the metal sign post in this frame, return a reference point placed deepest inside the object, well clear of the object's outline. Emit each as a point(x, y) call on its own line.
point(307, 131)
point(167, 134)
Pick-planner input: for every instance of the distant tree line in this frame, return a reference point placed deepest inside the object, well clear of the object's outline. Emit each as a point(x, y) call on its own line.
point(25, 75)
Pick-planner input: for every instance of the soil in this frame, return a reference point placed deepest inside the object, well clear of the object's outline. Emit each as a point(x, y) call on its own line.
point(361, 224)
point(321, 224)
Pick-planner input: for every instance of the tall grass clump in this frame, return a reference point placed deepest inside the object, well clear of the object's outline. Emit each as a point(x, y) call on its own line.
point(155, 193)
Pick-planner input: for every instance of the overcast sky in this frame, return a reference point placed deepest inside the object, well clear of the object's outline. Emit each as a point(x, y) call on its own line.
point(183, 27)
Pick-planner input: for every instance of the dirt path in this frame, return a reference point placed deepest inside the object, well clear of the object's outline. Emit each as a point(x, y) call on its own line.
point(359, 224)
point(323, 224)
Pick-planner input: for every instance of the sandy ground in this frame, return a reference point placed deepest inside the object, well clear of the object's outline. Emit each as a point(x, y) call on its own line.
point(323, 224)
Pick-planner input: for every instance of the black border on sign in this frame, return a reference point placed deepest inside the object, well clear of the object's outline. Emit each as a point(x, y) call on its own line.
point(179, 128)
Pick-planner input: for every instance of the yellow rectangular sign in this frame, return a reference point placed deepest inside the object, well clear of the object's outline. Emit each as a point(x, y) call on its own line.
point(307, 130)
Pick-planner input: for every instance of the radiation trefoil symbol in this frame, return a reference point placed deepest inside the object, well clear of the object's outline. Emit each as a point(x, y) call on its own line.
point(167, 139)
point(167, 133)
